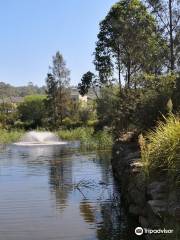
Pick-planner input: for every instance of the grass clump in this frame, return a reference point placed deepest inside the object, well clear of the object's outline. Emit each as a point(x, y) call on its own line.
point(160, 150)
point(89, 139)
point(10, 136)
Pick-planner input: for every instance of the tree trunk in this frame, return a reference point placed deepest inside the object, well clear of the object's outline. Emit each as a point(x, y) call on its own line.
point(171, 36)
point(128, 74)
point(119, 68)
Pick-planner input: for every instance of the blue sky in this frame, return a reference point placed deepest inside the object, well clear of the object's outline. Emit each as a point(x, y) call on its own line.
point(33, 30)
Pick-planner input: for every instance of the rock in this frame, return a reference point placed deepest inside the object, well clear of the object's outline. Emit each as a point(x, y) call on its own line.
point(177, 213)
point(159, 207)
point(137, 197)
point(136, 166)
point(128, 137)
point(156, 204)
point(132, 155)
point(136, 210)
point(157, 190)
point(157, 186)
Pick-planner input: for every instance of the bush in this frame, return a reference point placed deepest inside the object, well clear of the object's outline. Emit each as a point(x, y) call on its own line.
point(10, 136)
point(71, 124)
point(92, 123)
point(87, 137)
point(32, 110)
point(161, 148)
point(150, 109)
point(75, 134)
point(67, 122)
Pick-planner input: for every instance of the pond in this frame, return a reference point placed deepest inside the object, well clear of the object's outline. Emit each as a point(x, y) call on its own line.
point(59, 193)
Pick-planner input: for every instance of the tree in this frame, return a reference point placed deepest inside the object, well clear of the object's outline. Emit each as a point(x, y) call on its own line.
point(88, 81)
point(32, 110)
point(128, 42)
point(168, 14)
point(57, 89)
point(50, 102)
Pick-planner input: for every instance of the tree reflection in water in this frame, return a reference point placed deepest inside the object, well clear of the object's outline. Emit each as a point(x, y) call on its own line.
point(61, 178)
point(87, 202)
point(98, 197)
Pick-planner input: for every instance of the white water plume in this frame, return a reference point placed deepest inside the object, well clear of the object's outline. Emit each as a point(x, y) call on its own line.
point(40, 138)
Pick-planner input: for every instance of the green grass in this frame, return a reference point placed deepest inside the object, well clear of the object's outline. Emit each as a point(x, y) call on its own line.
point(89, 140)
point(10, 136)
point(160, 150)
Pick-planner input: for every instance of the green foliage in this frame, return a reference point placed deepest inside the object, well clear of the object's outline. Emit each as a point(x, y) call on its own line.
point(79, 114)
point(75, 134)
point(126, 109)
point(167, 14)
point(128, 41)
point(92, 123)
point(136, 108)
point(70, 123)
point(7, 90)
point(86, 83)
point(107, 104)
point(8, 114)
point(88, 138)
point(32, 110)
point(176, 95)
point(164, 84)
point(57, 91)
point(161, 150)
point(156, 92)
point(84, 115)
point(10, 136)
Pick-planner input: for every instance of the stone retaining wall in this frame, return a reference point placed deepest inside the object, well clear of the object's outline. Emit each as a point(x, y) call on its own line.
point(153, 200)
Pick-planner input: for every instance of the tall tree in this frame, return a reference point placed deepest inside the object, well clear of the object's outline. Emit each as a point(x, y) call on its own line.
point(168, 14)
point(128, 42)
point(57, 89)
point(50, 101)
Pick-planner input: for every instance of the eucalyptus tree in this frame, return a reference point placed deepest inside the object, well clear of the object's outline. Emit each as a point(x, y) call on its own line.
point(167, 13)
point(128, 42)
point(57, 89)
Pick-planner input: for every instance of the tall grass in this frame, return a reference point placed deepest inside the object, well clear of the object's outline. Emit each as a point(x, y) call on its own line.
point(10, 136)
point(161, 148)
point(88, 138)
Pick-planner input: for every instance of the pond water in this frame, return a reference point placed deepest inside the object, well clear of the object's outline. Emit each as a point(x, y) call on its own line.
point(58, 193)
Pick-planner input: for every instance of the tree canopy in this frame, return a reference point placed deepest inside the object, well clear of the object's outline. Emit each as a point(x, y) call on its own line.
point(128, 42)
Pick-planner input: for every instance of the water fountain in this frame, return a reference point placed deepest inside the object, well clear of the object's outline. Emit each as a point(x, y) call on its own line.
point(39, 138)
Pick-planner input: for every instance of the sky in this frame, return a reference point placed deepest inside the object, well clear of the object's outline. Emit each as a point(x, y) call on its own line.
point(32, 31)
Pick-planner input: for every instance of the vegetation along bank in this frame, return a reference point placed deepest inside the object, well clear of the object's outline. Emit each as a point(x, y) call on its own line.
point(132, 100)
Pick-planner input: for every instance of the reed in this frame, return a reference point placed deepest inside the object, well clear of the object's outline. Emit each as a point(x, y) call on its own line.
point(161, 148)
point(89, 139)
point(10, 136)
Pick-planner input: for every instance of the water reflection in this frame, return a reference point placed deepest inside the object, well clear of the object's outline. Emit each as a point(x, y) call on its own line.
point(87, 211)
point(59, 193)
point(60, 178)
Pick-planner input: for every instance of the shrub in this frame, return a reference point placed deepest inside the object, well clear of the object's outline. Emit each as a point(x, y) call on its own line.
point(10, 136)
point(32, 110)
point(162, 148)
point(92, 123)
point(75, 134)
point(88, 138)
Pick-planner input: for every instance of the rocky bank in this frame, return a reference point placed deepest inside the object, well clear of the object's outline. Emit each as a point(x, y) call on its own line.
point(153, 200)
